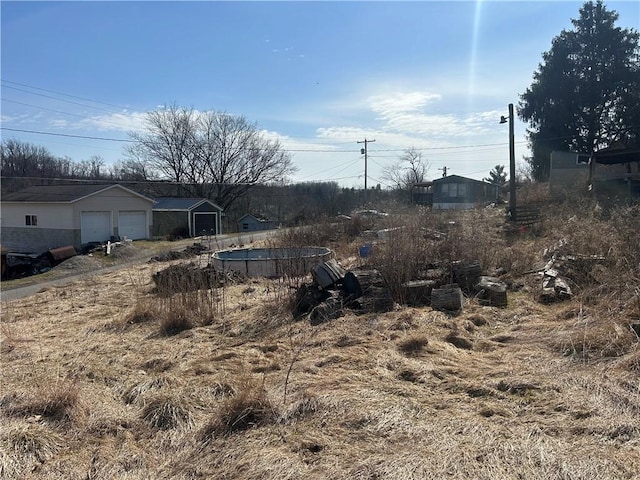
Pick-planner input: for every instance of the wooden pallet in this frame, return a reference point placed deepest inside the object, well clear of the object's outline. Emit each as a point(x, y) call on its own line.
point(527, 214)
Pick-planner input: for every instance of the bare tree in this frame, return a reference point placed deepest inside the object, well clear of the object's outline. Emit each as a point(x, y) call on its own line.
point(411, 168)
point(130, 170)
point(209, 154)
point(21, 159)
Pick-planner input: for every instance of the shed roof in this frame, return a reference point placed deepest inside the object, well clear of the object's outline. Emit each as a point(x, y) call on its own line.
point(181, 204)
point(63, 193)
point(614, 156)
point(259, 218)
point(459, 179)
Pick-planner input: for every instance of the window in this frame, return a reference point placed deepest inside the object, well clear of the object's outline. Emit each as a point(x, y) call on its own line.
point(582, 159)
point(245, 226)
point(454, 190)
point(31, 220)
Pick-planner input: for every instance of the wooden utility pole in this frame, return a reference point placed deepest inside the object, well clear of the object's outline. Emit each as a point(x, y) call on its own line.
point(512, 167)
point(512, 164)
point(364, 152)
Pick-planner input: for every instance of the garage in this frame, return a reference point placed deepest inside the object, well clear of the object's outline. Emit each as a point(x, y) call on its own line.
point(204, 223)
point(175, 217)
point(95, 226)
point(132, 224)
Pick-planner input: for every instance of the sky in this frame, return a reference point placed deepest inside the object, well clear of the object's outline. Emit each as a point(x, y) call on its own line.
point(78, 77)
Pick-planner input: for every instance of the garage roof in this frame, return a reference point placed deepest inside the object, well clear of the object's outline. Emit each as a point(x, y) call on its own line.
point(181, 204)
point(63, 193)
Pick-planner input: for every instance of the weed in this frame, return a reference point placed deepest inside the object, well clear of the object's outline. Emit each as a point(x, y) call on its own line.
point(133, 393)
point(165, 412)
point(250, 407)
point(413, 346)
point(143, 312)
point(59, 402)
point(306, 406)
point(175, 320)
point(24, 445)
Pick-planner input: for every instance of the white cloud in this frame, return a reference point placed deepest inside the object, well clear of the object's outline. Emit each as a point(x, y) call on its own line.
point(408, 118)
point(391, 105)
point(125, 121)
point(59, 123)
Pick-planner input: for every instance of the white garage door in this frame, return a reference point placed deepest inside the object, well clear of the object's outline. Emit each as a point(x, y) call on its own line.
point(95, 226)
point(133, 224)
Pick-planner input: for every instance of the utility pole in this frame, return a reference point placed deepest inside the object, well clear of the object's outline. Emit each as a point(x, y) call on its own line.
point(363, 151)
point(444, 171)
point(512, 167)
point(512, 164)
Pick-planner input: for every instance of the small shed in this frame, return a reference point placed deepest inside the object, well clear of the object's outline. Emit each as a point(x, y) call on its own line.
point(42, 217)
point(186, 217)
point(459, 192)
point(253, 223)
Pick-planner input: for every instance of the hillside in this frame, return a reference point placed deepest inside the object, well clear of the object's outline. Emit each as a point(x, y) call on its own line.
point(105, 378)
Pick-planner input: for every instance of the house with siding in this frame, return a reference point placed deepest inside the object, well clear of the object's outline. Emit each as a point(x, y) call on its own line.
point(614, 174)
point(568, 173)
point(609, 174)
point(458, 192)
point(42, 217)
point(186, 217)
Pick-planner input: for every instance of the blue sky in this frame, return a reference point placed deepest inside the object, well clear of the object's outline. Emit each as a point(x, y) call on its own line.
point(318, 76)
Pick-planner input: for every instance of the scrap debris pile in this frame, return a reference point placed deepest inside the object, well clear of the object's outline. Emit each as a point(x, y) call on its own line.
point(334, 289)
point(443, 288)
point(563, 268)
point(189, 277)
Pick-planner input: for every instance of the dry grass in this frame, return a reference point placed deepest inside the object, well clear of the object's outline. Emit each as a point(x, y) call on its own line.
point(25, 446)
point(413, 346)
point(58, 402)
point(249, 407)
point(529, 391)
point(165, 412)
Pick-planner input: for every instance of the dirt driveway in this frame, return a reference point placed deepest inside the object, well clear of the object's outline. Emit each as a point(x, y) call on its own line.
point(82, 266)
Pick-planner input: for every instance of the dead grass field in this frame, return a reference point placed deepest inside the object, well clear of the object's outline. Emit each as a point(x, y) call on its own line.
point(96, 386)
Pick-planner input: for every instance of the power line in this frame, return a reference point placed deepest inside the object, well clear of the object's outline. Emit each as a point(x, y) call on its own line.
point(65, 94)
point(61, 112)
point(333, 168)
point(311, 150)
point(69, 135)
point(57, 99)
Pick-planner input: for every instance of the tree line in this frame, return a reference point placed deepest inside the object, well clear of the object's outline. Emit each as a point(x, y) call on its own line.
point(23, 164)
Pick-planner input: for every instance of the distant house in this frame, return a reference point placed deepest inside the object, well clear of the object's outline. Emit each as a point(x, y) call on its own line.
point(568, 173)
point(614, 174)
point(43, 217)
point(253, 223)
point(186, 217)
point(459, 192)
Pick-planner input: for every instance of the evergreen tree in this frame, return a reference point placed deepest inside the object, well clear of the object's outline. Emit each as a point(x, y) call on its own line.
point(586, 91)
point(497, 175)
